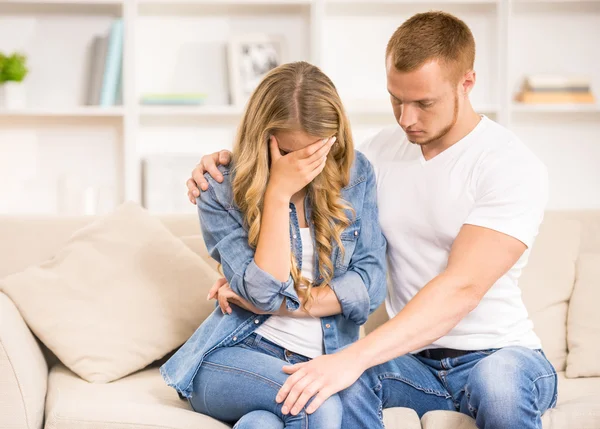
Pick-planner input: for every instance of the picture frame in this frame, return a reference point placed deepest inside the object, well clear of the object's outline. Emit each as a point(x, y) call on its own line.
point(250, 57)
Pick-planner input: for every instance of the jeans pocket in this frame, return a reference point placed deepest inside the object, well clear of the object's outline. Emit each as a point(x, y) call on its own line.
point(270, 349)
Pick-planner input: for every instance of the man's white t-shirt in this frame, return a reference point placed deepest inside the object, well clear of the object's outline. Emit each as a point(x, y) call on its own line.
point(490, 179)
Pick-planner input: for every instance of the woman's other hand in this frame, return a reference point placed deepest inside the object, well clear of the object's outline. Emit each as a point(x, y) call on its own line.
point(222, 292)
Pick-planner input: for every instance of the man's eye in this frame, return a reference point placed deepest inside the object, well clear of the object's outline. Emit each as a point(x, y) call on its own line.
point(283, 152)
point(425, 105)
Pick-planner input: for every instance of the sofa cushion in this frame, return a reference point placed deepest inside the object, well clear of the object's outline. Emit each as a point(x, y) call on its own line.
point(144, 400)
point(447, 420)
point(121, 293)
point(23, 371)
point(547, 282)
point(574, 389)
point(580, 413)
point(139, 400)
point(32, 239)
point(401, 418)
point(583, 324)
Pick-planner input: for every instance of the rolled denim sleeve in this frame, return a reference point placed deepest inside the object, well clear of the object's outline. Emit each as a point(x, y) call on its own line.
point(362, 288)
point(255, 276)
point(227, 242)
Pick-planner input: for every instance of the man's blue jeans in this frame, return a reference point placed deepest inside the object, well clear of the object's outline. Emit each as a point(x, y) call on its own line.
point(505, 388)
point(239, 384)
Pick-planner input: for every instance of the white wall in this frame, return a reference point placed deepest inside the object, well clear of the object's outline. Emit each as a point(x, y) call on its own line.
point(182, 48)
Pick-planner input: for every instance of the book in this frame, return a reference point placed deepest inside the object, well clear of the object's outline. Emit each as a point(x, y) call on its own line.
point(96, 70)
point(556, 97)
point(556, 82)
point(113, 65)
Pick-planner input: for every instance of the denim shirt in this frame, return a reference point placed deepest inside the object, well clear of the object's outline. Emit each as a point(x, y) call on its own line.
point(359, 279)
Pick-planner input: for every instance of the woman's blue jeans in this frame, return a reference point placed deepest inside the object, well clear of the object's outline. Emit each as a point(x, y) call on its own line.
point(238, 385)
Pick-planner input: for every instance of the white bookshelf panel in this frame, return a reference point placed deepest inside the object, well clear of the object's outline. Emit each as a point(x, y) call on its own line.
point(52, 168)
point(569, 146)
point(554, 38)
point(356, 35)
point(196, 138)
point(168, 153)
point(163, 182)
point(189, 53)
point(58, 55)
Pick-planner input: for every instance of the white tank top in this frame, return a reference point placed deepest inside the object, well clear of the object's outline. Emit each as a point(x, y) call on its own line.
point(303, 336)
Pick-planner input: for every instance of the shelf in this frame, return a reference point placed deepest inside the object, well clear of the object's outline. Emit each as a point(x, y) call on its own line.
point(574, 2)
point(61, 7)
point(420, 2)
point(221, 7)
point(192, 111)
point(227, 2)
point(405, 7)
point(556, 108)
point(353, 109)
point(72, 113)
point(555, 6)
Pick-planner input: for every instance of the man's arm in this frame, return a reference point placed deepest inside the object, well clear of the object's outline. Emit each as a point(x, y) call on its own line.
point(478, 258)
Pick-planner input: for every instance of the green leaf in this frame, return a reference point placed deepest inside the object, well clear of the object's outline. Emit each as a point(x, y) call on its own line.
point(13, 68)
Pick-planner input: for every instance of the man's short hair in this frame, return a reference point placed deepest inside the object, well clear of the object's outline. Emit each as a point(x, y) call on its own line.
point(430, 36)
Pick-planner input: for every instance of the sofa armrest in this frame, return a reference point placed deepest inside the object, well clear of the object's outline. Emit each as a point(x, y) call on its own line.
point(23, 371)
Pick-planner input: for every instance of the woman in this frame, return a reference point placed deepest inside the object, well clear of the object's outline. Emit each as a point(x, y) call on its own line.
point(294, 225)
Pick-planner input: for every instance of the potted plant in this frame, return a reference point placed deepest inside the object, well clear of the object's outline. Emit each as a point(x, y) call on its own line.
point(13, 69)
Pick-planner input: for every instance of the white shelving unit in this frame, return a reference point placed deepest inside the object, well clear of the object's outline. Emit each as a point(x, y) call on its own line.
point(179, 45)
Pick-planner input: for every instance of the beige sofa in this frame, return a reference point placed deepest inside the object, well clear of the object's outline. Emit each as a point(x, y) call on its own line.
point(46, 394)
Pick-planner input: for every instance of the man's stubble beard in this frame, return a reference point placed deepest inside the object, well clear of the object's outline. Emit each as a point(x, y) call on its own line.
point(444, 130)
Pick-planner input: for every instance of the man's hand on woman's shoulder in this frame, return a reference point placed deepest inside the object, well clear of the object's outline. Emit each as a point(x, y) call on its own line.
point(208, 164)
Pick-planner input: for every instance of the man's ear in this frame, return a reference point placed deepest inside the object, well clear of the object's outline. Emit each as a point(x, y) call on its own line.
point(468, 82)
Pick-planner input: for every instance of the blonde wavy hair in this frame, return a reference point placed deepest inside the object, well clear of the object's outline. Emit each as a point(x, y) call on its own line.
point(296, 96)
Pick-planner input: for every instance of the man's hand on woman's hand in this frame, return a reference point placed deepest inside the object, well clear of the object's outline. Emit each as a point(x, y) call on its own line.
point(222, 292)
point(208, 164)
point(320, 378)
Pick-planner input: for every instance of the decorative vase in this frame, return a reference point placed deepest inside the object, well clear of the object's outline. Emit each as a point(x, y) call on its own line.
point(13, 95)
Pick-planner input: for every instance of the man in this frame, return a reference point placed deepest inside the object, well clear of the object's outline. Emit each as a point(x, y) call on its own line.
point(460, 202)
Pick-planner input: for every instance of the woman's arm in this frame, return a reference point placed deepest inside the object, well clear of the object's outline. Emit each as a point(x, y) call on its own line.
point(273, 248)
point(362, 288)
point(261, 277)
point(324, 303)
point(288, 175)
point(227, 242)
